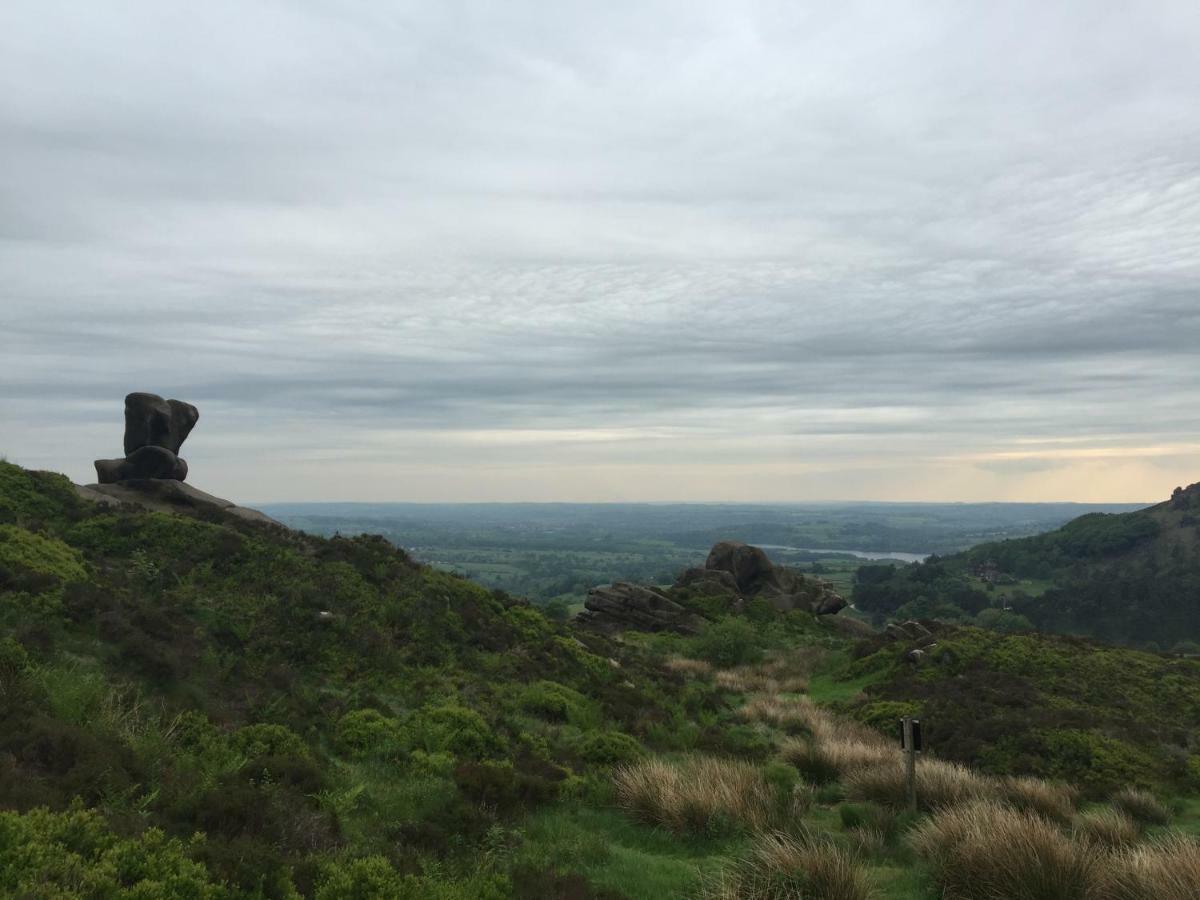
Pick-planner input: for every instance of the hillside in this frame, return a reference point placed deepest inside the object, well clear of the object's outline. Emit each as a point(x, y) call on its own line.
point(1129, 578)
point(202, 704)
point(261, 687)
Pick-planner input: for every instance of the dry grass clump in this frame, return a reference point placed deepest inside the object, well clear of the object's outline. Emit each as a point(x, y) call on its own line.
point(790, 867)
point(785, 673)
point(692, 668)
point(1141, 806)
point(698, 794)
point(834, 746)
point(782, 712)
point(988, 851)
point(1106, 828)
point(940, 784)
point(1052, 799)
point(1167, 869)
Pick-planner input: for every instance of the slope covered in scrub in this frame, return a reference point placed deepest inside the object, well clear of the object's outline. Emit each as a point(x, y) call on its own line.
point(299, 703)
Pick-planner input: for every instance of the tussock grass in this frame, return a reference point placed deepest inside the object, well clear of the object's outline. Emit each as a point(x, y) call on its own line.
point(692, 668)
point(783, 712)
point(1051, 799)
point(792, 867)
point(988, 851)
point(940, 784)
point(1106, 828)
point(700, 795)
point(1167, 869)
point(1141, 806)
point(783, 673)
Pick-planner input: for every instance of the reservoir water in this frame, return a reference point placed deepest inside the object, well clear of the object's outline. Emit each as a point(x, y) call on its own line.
point(861, 554)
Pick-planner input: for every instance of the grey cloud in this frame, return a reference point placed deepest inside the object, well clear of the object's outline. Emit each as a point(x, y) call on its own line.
point(764, 228)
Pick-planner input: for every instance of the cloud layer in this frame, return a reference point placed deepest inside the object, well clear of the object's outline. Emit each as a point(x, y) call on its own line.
point(610, 251)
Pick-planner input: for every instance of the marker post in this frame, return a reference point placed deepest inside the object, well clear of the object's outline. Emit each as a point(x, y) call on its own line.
point(911, 745)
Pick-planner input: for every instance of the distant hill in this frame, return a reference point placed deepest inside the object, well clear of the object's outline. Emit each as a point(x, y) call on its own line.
point(1130, 578)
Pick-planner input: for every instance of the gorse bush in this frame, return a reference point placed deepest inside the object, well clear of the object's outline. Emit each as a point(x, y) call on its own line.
point(730, 642)
point(782, 866)
point(73, 854)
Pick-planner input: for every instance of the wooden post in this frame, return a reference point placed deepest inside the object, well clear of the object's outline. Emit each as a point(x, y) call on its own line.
point(910, 762)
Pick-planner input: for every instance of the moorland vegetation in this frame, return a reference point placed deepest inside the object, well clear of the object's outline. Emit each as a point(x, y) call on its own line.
point(201, 706)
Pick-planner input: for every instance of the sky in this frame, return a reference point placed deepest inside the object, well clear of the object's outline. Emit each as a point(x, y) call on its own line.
point(751, 251)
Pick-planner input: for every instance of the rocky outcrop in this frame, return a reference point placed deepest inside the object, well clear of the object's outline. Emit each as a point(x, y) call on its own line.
point(622, 606)
point(1186, 498)
point(155, 429)
point(733, 574)
point(165, 495)
point(748, 572)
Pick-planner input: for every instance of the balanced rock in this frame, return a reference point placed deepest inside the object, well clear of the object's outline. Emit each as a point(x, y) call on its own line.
point(622, 605)
point(155, 429)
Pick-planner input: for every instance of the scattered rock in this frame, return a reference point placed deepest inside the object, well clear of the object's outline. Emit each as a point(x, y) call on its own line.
point(830, 603)
point(622, 605)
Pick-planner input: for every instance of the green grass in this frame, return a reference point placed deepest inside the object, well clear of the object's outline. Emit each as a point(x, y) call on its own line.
point(831, 684)
point(612, 852)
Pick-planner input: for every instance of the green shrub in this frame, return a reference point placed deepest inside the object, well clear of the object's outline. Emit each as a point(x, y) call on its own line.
point(366, 731)
point(557, 703)
point(73, 854)
point(455, 729)
point(269, 740)
point(25, 551)
point(729, 642)
point(365, 879)
point(608, 748)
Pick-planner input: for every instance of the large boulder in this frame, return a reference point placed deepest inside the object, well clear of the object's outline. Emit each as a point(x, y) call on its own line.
point(155, 429)
point(622, 606)
point(748, 571)
point(749, 566)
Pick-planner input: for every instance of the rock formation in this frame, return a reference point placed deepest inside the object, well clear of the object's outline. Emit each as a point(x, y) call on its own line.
point(733, 574)
point(746, 570)
point(622, 605)
point(151, 474)
point(155, 429)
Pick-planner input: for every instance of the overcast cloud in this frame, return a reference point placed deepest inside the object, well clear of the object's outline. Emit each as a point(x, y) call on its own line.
point(609, 251)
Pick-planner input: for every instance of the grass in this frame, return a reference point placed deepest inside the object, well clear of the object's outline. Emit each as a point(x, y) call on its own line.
point(1168, 869)
point(987, 851)
point(827, 687)
point(701, 795)
point(784, 866)
point(614, 853)
point(1141, 806)
point(1106, 828)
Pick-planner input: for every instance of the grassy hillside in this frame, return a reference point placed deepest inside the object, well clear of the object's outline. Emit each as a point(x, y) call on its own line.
point(1126, 578)
point(298, 701)
point(205, 707)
